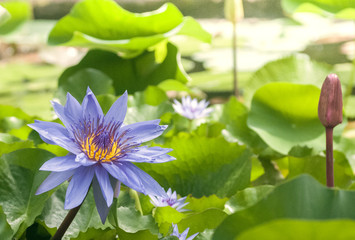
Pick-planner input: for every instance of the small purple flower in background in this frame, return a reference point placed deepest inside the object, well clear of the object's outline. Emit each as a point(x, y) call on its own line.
point(102, 151)
point(191, 108)
point(183, 235)
point(170, 200)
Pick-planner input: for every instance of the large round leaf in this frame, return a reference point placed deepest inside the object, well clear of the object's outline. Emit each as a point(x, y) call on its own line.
point(301, 198)
point(286, 115)
point(104, 24)
point(295, 69)
point(305, 230)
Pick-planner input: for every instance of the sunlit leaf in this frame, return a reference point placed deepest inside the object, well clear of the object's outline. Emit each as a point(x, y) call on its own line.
point(204, 203)
point(19, 10)
point(165, 216)
point(204, 166)
point(93, 24)
point(208, 219)
point(302, 198)
point(305, 230)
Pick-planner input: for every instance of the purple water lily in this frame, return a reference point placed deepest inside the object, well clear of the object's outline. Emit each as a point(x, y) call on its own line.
point(183, 235)
point(102, 151)
point(191, 108)
point(170, 200)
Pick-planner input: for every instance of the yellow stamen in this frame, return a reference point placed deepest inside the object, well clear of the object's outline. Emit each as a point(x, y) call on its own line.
point(98, 153)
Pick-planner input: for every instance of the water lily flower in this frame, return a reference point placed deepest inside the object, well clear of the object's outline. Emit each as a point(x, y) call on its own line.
point(170, 200)
point(183, 235)
point(102, 151)
point(191, 108)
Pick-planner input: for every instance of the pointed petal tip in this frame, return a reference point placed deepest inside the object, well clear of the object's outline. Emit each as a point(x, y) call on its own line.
point(88, 90)
point(38, 192)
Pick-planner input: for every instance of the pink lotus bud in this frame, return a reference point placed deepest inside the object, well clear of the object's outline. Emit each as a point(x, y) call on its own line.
point(330, 106)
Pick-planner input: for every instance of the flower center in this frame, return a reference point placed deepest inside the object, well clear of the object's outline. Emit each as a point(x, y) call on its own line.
point(102, 147)
point(100, 141)
point(170, 201)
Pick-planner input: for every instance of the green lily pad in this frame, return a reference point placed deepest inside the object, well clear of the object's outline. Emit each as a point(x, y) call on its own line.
point(305, 230)
point(294, 69)
point(302, 198)
point(285, 115)
point(104, 24)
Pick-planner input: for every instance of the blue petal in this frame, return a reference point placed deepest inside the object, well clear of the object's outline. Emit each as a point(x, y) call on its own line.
point(59, 110)
point(151, 155)
point(184, 234)
point(143, 131)
point(105, 184)
point(78, 187)
point(60, 164)
point(101, 204)
point(83, 160)
point(192, 236)
point(134, 178)
point(118, 110)
point(53, 180)
point(55, 133)
point(91, 107)
point(73, 109)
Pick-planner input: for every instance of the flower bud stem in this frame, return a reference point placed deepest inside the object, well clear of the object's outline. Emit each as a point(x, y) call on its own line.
point(66, 223)
point(235, 78)
point(329, 156)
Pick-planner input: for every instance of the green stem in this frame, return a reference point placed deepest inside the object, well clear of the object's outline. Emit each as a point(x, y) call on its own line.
point(235, 79)
point(66, 223)
point(138, 202)
point(329, 157)
point(190, 125)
